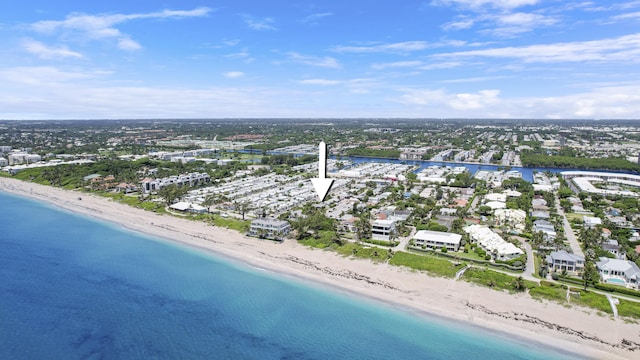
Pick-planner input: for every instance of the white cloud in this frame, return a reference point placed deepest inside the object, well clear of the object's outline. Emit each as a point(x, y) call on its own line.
point(462, 22)
point(481, 4)
point(47, 52)
point(45, 75)
point(125, 43)
point(399, 47)
point(265, 24)
point(627, 16)
point(50, 93)
point(233, 74)
point(461, 101)
point(502, 24)
point(397, 64)
point(97, 27)
point(243, 54)
point(323, 82)
point(325, 61)
point(621, 49)
point(314, 18)
point(472, 79)
point(441, 65)
point(616, 102)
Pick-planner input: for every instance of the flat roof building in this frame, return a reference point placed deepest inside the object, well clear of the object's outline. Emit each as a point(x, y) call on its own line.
point(269, 228)
point(437, 240)
point(382, 229)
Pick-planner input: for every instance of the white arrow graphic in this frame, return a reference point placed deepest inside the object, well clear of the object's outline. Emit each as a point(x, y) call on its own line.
point(321, 183)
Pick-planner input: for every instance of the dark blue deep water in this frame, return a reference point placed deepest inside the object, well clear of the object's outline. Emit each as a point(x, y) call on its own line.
point(75, 288)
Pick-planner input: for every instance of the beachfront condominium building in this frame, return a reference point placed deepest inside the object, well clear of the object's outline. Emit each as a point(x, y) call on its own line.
point(383, 229)
point(619, 272)
point(562, 260)
point(23, 158)
point(269, 228)
point(492, 243)
point(436, 240)
point(191, 179)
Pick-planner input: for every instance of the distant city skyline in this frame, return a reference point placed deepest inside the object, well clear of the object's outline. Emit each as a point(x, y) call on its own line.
point(544, 59)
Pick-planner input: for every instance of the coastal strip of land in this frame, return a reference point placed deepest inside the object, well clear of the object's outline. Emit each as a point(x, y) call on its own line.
point(576, 330)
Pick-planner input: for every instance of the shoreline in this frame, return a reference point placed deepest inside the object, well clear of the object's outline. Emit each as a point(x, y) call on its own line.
point(507, 316)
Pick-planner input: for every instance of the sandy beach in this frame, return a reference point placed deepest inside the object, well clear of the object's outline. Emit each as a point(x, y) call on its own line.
point(577, 330)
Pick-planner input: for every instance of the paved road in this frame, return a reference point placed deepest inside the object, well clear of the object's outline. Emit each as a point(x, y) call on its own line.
point(529, 271)
point(568, 231)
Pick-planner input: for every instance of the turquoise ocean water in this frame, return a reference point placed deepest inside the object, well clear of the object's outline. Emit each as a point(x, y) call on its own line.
point(75, 288)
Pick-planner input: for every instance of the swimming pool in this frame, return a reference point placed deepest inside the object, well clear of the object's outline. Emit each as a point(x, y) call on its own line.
point(616, 281)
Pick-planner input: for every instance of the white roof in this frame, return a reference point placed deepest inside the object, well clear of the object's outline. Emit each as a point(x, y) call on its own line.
point(438, 236)
point(180, 206)
point(496, 197)
point(496, 205)
point(491, 241)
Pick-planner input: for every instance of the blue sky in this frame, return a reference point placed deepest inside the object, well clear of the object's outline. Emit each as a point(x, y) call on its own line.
point(374, 58)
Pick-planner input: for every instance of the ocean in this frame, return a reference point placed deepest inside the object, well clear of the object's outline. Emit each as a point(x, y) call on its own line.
point(72, 287)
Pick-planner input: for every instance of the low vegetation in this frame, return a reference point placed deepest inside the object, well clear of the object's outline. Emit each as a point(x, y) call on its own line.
point(497, 280)
point(549, 291)
point(432, 265)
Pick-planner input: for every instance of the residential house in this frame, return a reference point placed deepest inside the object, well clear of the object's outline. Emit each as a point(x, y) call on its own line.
point(126, 188)
point(619, 272)
point(436, 240)
point(562, 260)
point(613, 247)
point(383, 229)
point(540, 214)
point(546, 228)
point(591, 221)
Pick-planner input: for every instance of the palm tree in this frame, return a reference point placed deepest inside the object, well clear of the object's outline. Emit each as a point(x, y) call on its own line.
point(519, 284)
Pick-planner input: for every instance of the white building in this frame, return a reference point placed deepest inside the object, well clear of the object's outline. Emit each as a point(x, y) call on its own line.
point(514, 217)
point(23, 158)
point(183, 206)
point(3, 162)
point(591, 221)
point(436, 240)
point(269, 228)
point(492, 243)
point(562, 260)
point(582, 181)
point(496, 197)
point(619, 272)
point(191, 179)
point(382, 229)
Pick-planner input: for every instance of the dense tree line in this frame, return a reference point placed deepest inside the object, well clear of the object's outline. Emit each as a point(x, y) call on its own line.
point(538, 160)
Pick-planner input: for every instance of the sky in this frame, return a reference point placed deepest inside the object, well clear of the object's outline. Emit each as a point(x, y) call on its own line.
point(138, 59)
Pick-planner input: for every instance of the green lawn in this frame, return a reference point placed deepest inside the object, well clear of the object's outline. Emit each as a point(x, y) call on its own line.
point(366, 252)
point(549, 291)
point(432, 265)
point(238, 225)
point(472, 255)
point(493, 279)
point(592, 300)
point(629, 309)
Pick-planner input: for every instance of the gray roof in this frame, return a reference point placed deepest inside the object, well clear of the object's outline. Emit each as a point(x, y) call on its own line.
point(562, 255)
point(629, 268)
